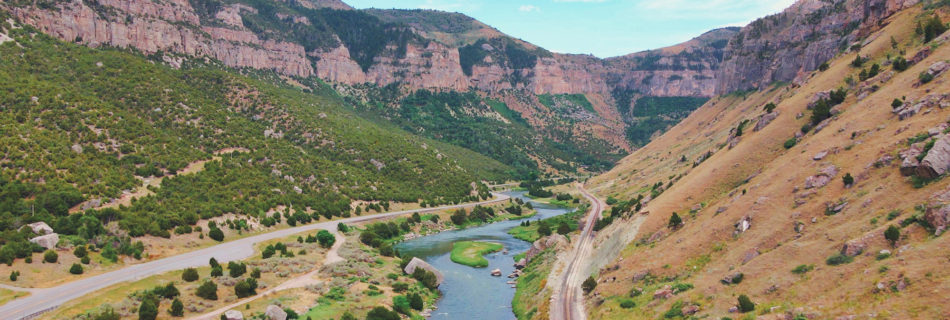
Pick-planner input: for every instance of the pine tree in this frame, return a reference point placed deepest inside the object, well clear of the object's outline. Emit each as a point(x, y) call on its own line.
point(177, 309)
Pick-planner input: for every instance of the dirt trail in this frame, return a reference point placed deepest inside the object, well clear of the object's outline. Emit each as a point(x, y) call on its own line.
point(301, 281)
point(567, 301)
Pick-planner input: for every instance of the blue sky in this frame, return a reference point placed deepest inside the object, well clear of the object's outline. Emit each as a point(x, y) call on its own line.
point(604, 28)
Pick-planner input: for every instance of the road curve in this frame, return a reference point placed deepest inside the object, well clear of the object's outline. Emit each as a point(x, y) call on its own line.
point(568, 304)
point(47, 299)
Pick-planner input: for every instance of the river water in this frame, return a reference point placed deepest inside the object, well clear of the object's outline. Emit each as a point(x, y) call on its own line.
point(472, 293)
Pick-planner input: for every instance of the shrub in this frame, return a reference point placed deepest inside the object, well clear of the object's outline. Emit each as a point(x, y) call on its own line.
point(80, 252)
point(803, 269)
point(256, 273)
point(900, 64)
point(790, 143)
point(177, 309)
point(14, 275)
point(236, 269)
point(675, 220)
point(745, 304)
point(589, 285)
point(925, 77)
point(415, 301)
point(167, 292)
point(543, 229)
point(75, 269)
point(857, 62)
point(769, 107)
point(823, 67)
point(216, 234)
point(341, 227)
point(50, 256)
point(681, 287)
point(381, 313)
point(347, 316)
point(325, 238)
point(207, 290)
point(401, 305)
point(217, 271)
point(838, 259)
point(897, 103)
point(190, 275)
point(892, 234)
point(246, 288)
point(148, 310)
point(934, 28)
point(563, 228)
point(627, 304)
point(848, 180)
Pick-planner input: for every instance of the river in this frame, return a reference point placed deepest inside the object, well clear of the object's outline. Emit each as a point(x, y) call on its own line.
point(472, 293)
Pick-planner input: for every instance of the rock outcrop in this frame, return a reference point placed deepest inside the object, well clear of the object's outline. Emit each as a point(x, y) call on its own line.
point(233, 315)
point(274, 312)
point(937, 161)
point(419, 263)
point(48, 241)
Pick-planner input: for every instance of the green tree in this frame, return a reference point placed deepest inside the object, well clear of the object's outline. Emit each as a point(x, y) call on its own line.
point(675, 221)
point(256, 273)
point(14, 275)
point(325, 238)
point(80, 252)
point(381, 313)
point(50, 256)
point(745, 304)
point(589, 285)
point(770, 107)
point(341, 227)
point(177, 309)
point(76, 269)
point(207, 290)
point(236, 269)
point(563, 228)
point(892, 234)
point(401, 305)
point(347, 316)
point(415, 301)
point(190, 275)
point(149, 309)
point(897, 103)
point(217, 271)
point(246, 288)
point(543, 229)
point(848, 180)
point(216, 234)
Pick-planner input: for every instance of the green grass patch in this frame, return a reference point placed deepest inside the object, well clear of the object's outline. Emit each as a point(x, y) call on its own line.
point(470, 253)
point(530, 233)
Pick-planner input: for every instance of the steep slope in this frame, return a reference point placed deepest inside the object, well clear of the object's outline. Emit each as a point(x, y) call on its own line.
point(791, 206)
point(94, 124)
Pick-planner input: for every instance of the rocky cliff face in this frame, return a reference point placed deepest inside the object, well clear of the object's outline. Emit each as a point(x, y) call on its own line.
point(223, 33)
point(787, 45)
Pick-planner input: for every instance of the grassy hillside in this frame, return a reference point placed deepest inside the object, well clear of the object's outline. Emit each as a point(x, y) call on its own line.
point(85, 124)
point(762, 214)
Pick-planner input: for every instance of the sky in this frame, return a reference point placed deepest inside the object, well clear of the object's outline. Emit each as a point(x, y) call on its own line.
point(604, 28)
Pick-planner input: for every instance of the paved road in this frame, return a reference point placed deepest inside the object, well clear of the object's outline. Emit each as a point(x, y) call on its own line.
point(568, 303)
point(44, 300)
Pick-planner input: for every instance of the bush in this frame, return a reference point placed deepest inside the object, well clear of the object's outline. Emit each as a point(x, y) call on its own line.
point(824, 67)
point(80, 252)
point(236, 269)
point(628, 304)
point(563, 228)
point(415, 301)
point(190, 275)
point(381, 313)
point(589, 285)
point(934, 27)
point(745, 304)
point(177, 309)
point(246, 288)
point(148, 310)
point(256, 273)
point(217, 271)
point(401, 305)
point(50, 256)
point(341, 227)
point(543, 229)
point(848, 180)
point(84, 260)
point(167, 292)
point(897, 103)
point(325, 238)
point(838, 259)
point(900, 64)
point(769, 107)
point(925, 77)
point(892, 234)
point(790, 143)
point(14, 275)
point(803, 269)
point(216, 234)
point(675, 221)
point(75, 269)
point(208, 291)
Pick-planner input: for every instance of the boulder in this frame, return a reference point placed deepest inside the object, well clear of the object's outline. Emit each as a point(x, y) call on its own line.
point(542, 244)
point(521, 264)
point(40, 228)
point(76, 148)
point(275, 313)
point(744, 224)
point(48, 241)
point(663, 293)
point(496, 273)
point(689, 310)
point(764, 120)
point(937, 161)
point(233, 315)
point(854, 247)
point(824, 95)
point(419, 263)
point(749, 255)
point(822, 178)
point(909, 161)
point(819, 156)
point(938, 68)
point(938, 218)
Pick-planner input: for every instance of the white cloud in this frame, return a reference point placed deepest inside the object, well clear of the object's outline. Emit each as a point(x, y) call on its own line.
point(580, 0)
point(528, 8)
